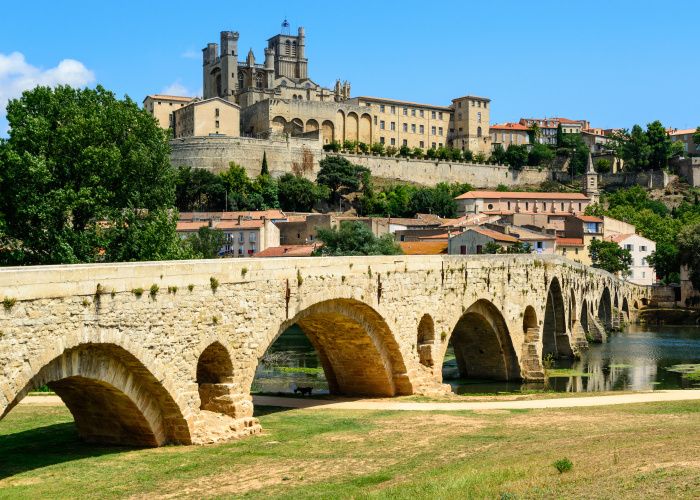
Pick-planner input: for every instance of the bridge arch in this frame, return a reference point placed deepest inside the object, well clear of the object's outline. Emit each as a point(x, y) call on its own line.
point(626, 309)
point(529, 320)
point(113, 396)
point(482, 344)
point(605, 308)
point(584, 315)
point(357, 349)
point(555, 341)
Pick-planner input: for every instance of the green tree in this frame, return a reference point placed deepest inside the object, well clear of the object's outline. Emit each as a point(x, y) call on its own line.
point(479, 158)
point(519, 247)
point(266, 187)
point(688, 241)
point(696, 138)
point(299, 194)
point(664, 260)
point(677, 149)
point(206, 243)
point(560, 136)
point(236, 180)
point(534, 132)
point(264, 170)
point(636, 150)
point(391, 150)
point(377, 147)
point(355, 238)
point(498, 155)
point(659, 145)
point(574, 146)
point(609, 256)
point(468, 155)
point(75, 157)
point(602, 166)
point(517, 156)
point(550, 187)
point(363, 146)
point(540, 155)
point(492, 248)
point(198, 189)
point(417, 152)
point(337, 171)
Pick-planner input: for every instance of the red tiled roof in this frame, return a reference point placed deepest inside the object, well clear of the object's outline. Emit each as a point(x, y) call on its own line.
point(191, 226)
point(569, 241)
point(245, 224)
point(589, 218)
point(509, 126)
point(515, 195)
point(424, 247)
point(495, 235)
point(287, 251)
point(679, 132)
point(434, 237)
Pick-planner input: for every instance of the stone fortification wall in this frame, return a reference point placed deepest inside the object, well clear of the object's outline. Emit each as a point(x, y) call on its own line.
point(215, 153)
point(689, 169)
point(654, 179)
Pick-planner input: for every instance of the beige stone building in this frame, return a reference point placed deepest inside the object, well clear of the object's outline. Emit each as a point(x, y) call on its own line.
point(503, 202)
point(278, 98)
point(244, 237)
point(214, 116)
point(507, 134)
point(163, 107)
point(686, 137)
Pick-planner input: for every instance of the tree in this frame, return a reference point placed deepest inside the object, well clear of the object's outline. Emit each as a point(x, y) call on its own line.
point(468, 155)
point(560, 136)
point(534, 132)
point(206, 243)
point(498, 155)
point(574, 145)
point(550, 187)
point(236, 180)
point(266, 187)
point(337, 171)
point(479, 158)
point(198, 189)
point(677, 149)
point(492, 248)
point(264, 170)
point(602, 166)
point(519, 247)
point(74, 158)
point(688, 241)
point(636, 150)
point(696, 138)
point(299, 194)
point(355, 238)
point(610, 256)
point(664, 260)
point(417, 152)
point(377, 148)
point(391, 150)
point(404, 150)
point(540, 155)
point(517, 156)
point(659, 145)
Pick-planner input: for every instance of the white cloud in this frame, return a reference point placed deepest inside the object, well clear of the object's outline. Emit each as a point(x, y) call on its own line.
point(191, 54)
point(177, 88)
point(17, 75)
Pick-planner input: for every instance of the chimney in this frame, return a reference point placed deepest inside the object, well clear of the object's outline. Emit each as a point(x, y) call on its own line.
point(639, 233)
point(240, 220)
point(211, 223)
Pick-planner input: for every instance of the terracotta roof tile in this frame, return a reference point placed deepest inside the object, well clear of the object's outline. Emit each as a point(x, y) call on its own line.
point(495, 235)
point(589, 218)
point(569, 241)
point(245, 224)
point(509, 126)
point(287, 251)
point(521, 195)
point(424, 247)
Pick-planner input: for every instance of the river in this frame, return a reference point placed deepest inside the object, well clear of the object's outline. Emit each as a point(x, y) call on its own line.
point(635, 359)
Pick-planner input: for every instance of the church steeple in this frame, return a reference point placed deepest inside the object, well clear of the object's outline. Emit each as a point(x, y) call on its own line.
point(590, 181)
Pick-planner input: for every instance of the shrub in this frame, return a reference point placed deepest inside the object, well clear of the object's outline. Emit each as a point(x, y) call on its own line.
point(215, 283)
point(443, 336)
point(563, 465)
point(138, 291)
point(300, 280)
point(244, 271)
point(172, 289)
point(215, 320)
point(86, 302)
point(154, 289)
point(8, 302)
point(190, 287)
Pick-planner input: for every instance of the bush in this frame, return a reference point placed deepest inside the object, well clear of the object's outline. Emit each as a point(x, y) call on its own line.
point(563, 465)
point(214, 283)
point(602, 166)
point(332, 146)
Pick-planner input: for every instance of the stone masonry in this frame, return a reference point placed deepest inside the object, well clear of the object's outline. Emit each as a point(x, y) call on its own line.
point(165, 352)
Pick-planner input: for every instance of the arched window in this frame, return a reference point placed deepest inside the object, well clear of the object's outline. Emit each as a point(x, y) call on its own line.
point(294, 48)
point(287, 45)
point(258, 81)
point(283, 83)
point(308, 85)
point(240, 79)
point(478, 132)
point(294, 97)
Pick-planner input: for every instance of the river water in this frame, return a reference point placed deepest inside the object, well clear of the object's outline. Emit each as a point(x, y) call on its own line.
point(635, 359)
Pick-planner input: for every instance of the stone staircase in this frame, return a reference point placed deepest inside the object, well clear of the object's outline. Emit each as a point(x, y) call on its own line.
point(578, 337)
point(530, 364)
point(596, 329)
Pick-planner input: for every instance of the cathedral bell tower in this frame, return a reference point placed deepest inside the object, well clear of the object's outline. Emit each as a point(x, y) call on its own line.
point(590, 182)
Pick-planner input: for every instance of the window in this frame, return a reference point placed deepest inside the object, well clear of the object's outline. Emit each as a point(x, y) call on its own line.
point(478, 116)
point(440, 116)
point(540, 245)
point(433, 130)
point(432, 115)
point(375, 120)
point(405, 111)
point(433, 145)
point(440, 145)
point(413, 112)
point(511, 137)
point(579, 207)
point(463, 249)
point(241, 238)
point(576, 251)
point(629, 247)
point(479, 104)
point(642, 248)
point(459, 116)
point(490, 206)
point(644, 261)
point(592, 181)
point(527, 206)
point(413, 128)
point(381, 125)
point(440, 131)
point(562, 206)
point(284, 83)
point(368, 104)
point(632, 274)
point(486, 104)
point(393, 110)
point(311, 237)
point(478, 249)
point(405, 127)
point(495, 137)
point(644, 274)
point(381, 140)
point(405, 142)
point(422, 144)
point(240, 250)
point(381, 108)
point(459, 104)
point(217, 123)
point(478, 132)
point(422, 129)
point(393, 141)
point(216, 112)
point(503, 137)
point(473, 104)
point(298, 235)
point(544, 206)
point(421, 113)
point(252, 237)
point(393, 125)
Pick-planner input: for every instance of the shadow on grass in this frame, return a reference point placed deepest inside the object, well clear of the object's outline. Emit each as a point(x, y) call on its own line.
point(49, 445)
point(261, 411)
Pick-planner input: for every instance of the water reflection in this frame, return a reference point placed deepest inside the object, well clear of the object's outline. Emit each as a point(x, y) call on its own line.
point(633, 360)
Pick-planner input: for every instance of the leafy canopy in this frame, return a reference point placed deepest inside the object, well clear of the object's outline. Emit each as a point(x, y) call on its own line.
point(355, 238)
point(609, 256)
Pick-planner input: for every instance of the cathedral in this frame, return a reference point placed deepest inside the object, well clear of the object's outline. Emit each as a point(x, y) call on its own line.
point(278, 97)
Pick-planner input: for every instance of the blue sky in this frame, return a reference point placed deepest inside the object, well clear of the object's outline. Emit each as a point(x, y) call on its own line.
point(614, 63)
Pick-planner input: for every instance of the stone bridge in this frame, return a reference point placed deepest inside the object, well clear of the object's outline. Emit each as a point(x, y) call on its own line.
point(165, 352)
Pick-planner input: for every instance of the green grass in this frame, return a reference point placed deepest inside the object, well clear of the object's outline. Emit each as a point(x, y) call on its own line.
point(299, 369)
point(372, 455)
point(567, 372)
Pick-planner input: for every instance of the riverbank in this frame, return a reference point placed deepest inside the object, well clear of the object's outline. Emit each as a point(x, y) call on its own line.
point(632, 451)
point(669, 316)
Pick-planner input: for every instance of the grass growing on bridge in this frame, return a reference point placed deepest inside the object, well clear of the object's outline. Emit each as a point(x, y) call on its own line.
point(627, 451)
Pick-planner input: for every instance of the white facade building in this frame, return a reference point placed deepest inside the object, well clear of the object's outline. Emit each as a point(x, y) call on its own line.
point(640, 248)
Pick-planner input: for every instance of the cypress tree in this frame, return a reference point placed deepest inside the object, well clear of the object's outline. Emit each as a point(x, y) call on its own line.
point(264, 170)
point(560, 136)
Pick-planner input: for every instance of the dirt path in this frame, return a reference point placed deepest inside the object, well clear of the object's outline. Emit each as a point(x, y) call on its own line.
point(370, 404)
